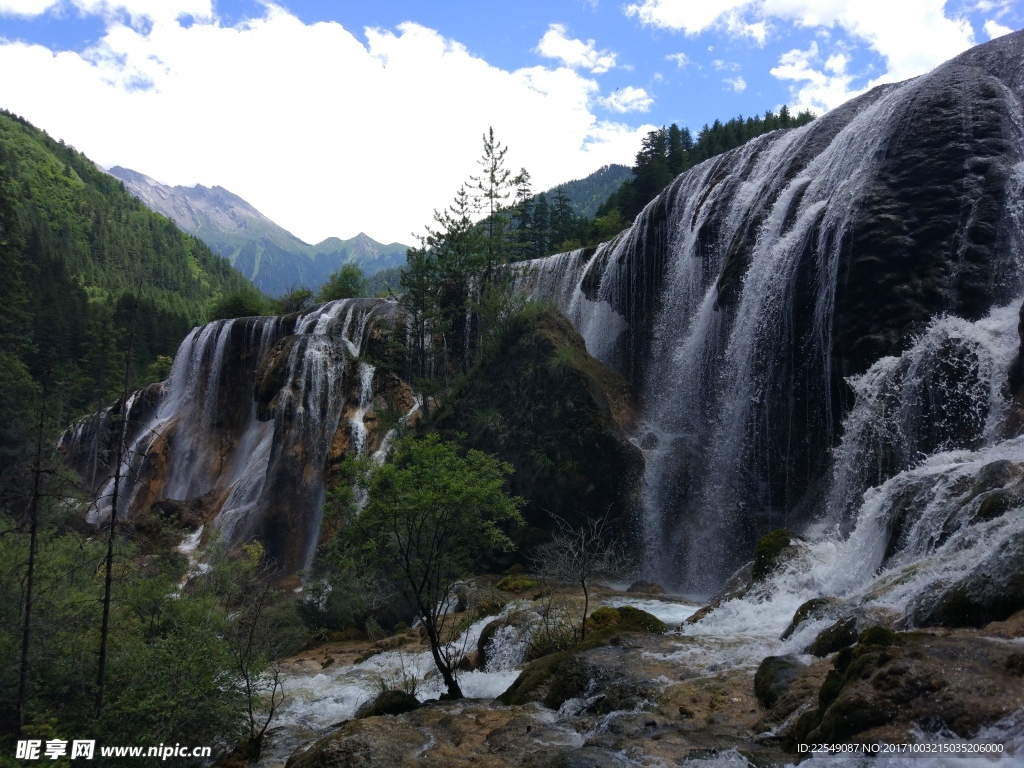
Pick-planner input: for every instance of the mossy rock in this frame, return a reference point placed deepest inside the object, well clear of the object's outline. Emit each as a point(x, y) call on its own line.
point(603, 618)
point(635, 620)
point(538, 673)
point(774, 676)
point(570, 680)
point(388, 703)
point(769, 553)
point(517, 584)
point(850, 665)
point(814, 608)
point(488, 607)
point(878, 636)
point(534, 676)
point(840, 635)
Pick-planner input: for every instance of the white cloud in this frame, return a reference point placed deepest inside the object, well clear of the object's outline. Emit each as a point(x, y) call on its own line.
point(156, 10)
point(994, 29)
point(681, 59)
point(814, 89)
point(329, 135)
point(720, 65)
point(556, 44)
point(683, 15)
point(26, 7)
point(911, 36)
point(628, 99)
point(738, 84)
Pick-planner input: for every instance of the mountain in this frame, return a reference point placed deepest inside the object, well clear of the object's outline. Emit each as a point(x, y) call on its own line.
point(587, 194)
point(76, 254)
point(269, 255)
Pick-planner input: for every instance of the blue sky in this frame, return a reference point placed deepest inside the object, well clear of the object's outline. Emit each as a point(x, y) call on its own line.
point(339, 117)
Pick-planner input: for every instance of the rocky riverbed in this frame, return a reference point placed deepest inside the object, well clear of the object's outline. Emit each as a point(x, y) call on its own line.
point(699, 693)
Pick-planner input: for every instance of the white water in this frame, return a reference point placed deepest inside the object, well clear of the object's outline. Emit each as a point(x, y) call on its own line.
point(317, 700)
point(256, 469)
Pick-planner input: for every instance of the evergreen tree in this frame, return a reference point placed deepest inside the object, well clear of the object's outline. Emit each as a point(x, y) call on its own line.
point(492, 188)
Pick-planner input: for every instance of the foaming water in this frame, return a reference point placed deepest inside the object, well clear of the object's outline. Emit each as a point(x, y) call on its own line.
point(213, 440)
point(724, 305)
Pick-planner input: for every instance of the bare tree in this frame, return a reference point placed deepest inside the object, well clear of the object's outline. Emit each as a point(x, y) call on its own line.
point(577, 555)
point(112, 528)
point(33, 525)
point(251, 641)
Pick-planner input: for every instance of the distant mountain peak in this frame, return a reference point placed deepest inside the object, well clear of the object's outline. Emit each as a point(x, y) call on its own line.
point(269, 255)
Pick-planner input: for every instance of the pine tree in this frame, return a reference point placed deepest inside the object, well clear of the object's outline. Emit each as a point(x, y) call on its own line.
point(492, 188)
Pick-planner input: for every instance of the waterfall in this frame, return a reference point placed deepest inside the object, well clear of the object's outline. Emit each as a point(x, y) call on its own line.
point(760, 302)
point(244, 423)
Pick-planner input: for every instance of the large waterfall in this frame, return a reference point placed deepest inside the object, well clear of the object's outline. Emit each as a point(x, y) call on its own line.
point(815, 313)
point(244, 423)
point(814, 321)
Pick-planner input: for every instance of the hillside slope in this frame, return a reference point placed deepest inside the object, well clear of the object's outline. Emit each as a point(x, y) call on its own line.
point(75, 251)
point(269, 255)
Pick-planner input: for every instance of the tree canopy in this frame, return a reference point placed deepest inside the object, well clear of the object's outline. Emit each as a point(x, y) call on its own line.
point(432, 513)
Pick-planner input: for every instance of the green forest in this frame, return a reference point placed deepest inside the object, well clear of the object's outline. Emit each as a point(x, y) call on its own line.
point(587, 212)
point(84, 262)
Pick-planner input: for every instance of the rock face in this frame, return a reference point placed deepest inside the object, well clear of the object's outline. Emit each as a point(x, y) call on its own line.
point(258, 413)
point(890, 685)
point(559, 417)
point(254, 411)
point(747, 296)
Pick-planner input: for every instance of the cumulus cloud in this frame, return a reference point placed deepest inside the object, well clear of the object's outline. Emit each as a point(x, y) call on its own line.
point(329, 135)
point(681, 59)
point(818, 88)
point(738, 84)
point(881, 25)
point(683, 15)
point(556, 44)
point(628, 99)
point(994, 29)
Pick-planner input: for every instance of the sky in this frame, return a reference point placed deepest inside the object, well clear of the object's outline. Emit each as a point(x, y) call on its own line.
point(333, 118)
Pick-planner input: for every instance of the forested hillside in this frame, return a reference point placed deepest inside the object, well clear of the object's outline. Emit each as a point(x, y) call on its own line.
point(75, 252)
point(586, 195)
point(592, 210)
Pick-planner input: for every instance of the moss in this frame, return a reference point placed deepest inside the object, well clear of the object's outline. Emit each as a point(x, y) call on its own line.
point(878, 636)
point(634, 620)
point(534, 675)
point(516, 584)
point(767, 552)
point(602, 618)
point(390, 702)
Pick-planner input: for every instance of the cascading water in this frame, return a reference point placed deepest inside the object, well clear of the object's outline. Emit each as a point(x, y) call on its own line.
point(748, 302)
point(245, 422)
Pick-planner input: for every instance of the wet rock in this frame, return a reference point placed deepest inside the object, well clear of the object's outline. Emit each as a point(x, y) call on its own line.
point(774, 677)
point(815, 608)
point(646, 588)
point(391, 702)
point(772, 550)
point(992, 591)
point(893, 685)
point(840, 635)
